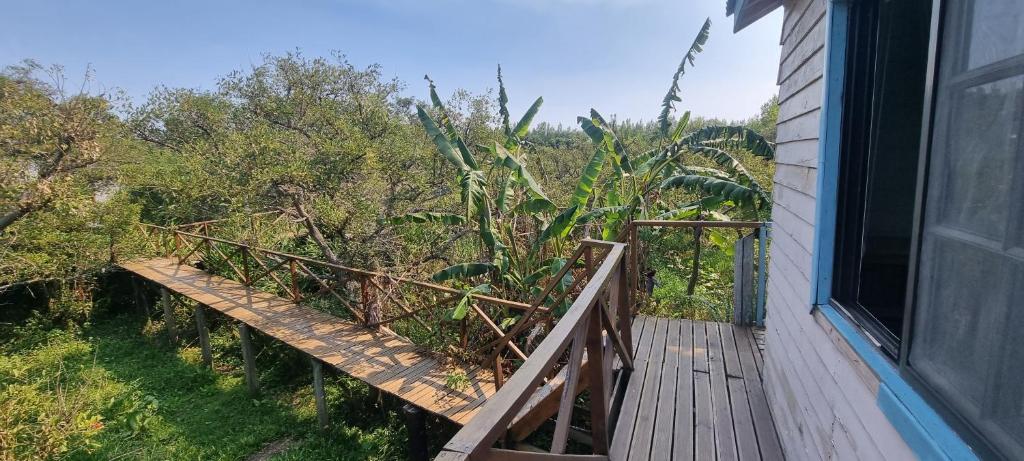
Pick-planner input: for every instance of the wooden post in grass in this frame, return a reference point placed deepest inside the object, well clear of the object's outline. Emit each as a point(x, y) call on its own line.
point(139, 292)
point(318, 392)
point(172, 330)
point(416, 426)
point(249, 356)
point(204, 335)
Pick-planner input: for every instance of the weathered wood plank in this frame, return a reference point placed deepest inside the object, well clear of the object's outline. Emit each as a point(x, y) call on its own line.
point(704, 430)
point(743, 423)
point(725, 438)
point(661, 447)
point(643, 434)
point(623, 436)
point(764, 425)
point(682, 444)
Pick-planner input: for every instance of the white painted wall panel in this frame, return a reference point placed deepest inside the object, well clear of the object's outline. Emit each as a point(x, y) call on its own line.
point(823, 401)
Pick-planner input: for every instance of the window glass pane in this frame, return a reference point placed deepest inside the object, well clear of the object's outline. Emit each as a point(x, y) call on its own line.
point(997, 31)
point(968, 320)
point(980, 150)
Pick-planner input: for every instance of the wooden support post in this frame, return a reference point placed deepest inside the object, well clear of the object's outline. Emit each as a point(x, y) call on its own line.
point(599, 382)
point(169, 322)
point(318, 392)
point(141, 300)
point(632, 284)
point(204, 335)
point(416, 425)
point(620, 302)
point(762, 273)
point(743, 280)
point(249, 356)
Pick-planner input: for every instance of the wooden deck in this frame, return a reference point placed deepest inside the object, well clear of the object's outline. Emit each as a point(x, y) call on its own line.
point(382, 360)
point(695, 394)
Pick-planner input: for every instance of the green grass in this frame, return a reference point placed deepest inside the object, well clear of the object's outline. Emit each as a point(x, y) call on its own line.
point(116, 391)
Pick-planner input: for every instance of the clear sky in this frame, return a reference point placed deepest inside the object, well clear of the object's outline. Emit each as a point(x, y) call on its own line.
point(615, 55)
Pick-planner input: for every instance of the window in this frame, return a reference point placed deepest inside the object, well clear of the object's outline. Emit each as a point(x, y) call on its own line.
point(968, 323)
point(886, 70)
point(930, 231)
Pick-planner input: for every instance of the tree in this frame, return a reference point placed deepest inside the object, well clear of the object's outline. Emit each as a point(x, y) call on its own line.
point(327, 142)
point(48, 139)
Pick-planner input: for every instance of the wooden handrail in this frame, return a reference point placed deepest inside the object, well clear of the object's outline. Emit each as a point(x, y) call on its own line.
point(584, 323)
point(361, 272)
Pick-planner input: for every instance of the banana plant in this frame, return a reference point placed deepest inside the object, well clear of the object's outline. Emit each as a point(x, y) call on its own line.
point(522, 231)
point(636, 187)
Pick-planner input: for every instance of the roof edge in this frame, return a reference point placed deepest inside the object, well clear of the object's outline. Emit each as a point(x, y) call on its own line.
point(746, 12)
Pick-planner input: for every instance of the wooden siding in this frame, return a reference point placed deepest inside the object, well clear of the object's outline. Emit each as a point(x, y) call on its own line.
point(823, 399)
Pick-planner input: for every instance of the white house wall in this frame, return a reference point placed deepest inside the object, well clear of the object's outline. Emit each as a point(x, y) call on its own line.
point(822, 399)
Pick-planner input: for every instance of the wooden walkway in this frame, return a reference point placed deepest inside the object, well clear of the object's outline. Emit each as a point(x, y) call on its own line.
point(695, 394)
point(382, 360)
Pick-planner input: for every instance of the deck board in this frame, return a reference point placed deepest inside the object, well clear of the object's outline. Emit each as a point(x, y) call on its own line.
point(381, 359)
point(707, 395)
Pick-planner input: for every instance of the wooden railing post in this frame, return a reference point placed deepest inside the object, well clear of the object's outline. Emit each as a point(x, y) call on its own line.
point(599, 381)
point(620, 301)
point(632, 278)
point(246, 275)
point(177, 247)
point(296, 296)
point(371, 306)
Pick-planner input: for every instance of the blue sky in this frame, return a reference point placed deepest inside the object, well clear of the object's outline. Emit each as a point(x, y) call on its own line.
point(615, 55)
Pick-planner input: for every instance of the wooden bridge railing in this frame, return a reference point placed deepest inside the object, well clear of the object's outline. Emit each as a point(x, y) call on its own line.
point(597, 323)
point(385, 301)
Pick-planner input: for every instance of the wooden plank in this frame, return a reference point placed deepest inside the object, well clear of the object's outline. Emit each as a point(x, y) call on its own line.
point(764, 425)
point(682, 444)
point(704, 424)
point(725, 438)
point(643, 433)
point(743, 424)
point(623, 435)
point(661, 446)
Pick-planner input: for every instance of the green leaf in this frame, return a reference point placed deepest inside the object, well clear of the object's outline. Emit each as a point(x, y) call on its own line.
point(474, 196)
point(598, 213)
point(440, 140)
point(462, 308)
point(462, 271)
point(734, 137)
point(560, 226)
point(534, 206)
point(681, 126)
point(668, 103)
point(588, 177)
point(726, 190)
point(427, 216)
point(507, 160)
point(523, 126)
